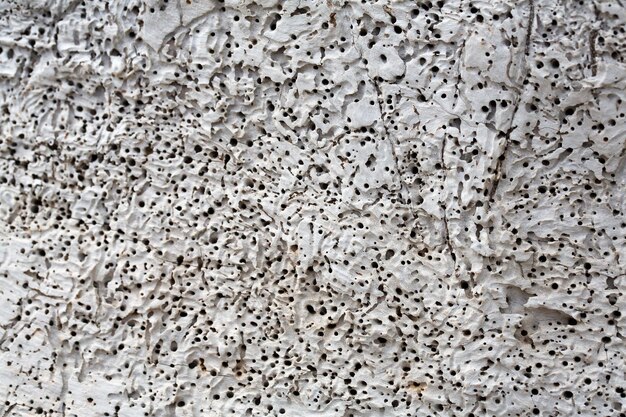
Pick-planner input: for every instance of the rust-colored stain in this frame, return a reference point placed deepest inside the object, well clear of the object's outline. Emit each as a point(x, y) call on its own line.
point(416, 387)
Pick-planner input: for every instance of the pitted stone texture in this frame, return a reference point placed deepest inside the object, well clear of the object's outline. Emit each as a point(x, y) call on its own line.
point(303, 208)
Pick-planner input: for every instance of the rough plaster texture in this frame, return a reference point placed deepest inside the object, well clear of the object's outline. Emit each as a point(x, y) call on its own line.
point(309, 208)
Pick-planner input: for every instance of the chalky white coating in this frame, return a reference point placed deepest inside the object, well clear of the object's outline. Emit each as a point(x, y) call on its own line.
point(312, 208)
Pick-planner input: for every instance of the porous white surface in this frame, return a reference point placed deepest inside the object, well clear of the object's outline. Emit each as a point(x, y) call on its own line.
point(312, 208)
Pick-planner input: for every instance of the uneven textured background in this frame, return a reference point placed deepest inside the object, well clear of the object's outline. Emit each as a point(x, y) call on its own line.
point(309, 208)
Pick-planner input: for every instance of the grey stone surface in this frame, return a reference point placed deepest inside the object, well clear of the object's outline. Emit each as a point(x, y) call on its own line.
point(312, 208)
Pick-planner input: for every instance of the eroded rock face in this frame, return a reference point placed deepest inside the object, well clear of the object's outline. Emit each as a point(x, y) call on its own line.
point(312, 208)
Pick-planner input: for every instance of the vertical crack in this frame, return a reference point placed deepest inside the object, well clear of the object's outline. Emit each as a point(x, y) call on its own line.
point(447, 239)
point(529, 28)
point(507, 135)
point(592, 51)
